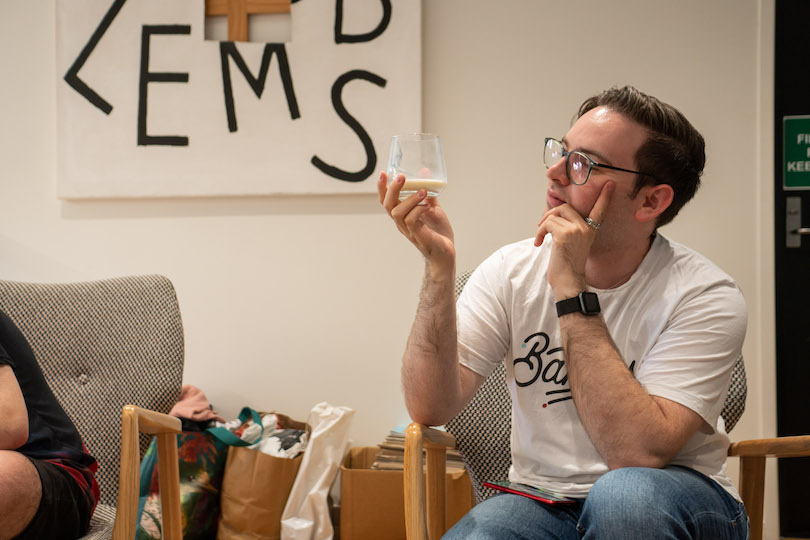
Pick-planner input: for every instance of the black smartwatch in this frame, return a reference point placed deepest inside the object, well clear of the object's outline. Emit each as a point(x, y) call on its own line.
point(585, 302)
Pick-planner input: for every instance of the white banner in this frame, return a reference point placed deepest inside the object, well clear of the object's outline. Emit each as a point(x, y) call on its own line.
point(147, 107)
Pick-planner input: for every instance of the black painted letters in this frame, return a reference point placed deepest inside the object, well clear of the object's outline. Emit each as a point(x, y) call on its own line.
point(228, 52)
point(371, 155)
point(227, 49)
point(144, 139)
point(340, 37)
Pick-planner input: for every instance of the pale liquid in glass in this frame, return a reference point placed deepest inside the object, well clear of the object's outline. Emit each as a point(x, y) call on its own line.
point(431, 185)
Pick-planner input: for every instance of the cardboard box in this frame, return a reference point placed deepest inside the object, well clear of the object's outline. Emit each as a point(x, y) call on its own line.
point(372, 502)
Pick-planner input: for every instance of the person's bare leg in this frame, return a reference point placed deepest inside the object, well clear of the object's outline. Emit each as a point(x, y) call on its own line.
point(20, 493)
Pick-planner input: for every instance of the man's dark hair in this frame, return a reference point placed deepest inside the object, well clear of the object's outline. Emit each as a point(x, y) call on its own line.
point(674, 153)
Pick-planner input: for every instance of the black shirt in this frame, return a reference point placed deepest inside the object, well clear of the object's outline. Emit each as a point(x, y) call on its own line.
point(52, 436)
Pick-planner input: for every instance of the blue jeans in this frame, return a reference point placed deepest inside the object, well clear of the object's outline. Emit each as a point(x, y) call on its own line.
point(624, 504)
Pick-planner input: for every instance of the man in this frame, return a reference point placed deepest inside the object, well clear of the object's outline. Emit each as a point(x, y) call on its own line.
point(47, 485)
point(617, 407)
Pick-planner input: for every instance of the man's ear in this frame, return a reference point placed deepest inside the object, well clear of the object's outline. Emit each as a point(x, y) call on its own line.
point(654, 200)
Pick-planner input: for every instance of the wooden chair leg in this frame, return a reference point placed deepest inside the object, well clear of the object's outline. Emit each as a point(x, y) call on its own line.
point(418, 520)
point(169, 484)
point(135, 420)
point(752, 487)
point(125, 516)
point(435, 492)
point(414, 485)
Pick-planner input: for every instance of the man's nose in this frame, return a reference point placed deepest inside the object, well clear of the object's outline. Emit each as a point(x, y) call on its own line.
point(557, 172)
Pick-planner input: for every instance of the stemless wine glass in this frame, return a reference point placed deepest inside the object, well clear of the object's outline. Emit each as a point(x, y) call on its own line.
point(419, 157)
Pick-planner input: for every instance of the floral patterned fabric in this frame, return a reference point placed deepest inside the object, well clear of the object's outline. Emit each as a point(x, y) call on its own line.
point(202, 464)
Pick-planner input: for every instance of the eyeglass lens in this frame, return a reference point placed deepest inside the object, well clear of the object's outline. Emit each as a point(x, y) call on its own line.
point(577, 165)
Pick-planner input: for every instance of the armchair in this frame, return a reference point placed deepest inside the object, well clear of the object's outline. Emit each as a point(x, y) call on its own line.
point(481, 433)
point(106, 348)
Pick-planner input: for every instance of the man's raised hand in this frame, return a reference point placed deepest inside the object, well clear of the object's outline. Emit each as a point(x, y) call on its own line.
point(422, 221)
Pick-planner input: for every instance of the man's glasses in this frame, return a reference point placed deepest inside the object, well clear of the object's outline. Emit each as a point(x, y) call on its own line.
point(578, 166)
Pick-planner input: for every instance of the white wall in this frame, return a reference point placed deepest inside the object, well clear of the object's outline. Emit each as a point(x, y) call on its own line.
point(290, 301)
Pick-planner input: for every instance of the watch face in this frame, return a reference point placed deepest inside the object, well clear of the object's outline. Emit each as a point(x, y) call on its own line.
point(590, 302)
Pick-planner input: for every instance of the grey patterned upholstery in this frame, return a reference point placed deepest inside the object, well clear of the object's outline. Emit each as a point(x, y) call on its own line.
point(737, 394)
point(102, 345)
point(483, 428)
point(482, 433)
point(101, 526)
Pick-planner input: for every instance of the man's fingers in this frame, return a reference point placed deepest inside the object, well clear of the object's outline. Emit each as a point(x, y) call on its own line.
point(413, 222)
point(542, 230)
point(600, 207)
point(392, 193)
point(551, 223)
point(542, 226)
point(565, 211)
point(414, 218)
point(404, 207)
point(539, 237)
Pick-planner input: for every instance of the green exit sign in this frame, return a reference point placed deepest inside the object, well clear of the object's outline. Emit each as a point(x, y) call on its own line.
point(796, 152)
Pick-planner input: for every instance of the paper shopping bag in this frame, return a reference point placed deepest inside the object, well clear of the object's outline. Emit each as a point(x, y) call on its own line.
point(255, 490)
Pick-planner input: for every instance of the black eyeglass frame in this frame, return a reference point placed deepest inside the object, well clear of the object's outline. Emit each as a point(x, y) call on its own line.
point(591, 163)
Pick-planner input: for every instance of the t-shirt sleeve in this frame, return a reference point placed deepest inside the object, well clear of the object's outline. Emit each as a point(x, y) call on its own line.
point(692, 360)
point(483, 327)
point(5, 359)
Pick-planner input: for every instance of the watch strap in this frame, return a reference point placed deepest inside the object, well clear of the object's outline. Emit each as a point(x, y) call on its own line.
point(585, 302)
point(569, 305)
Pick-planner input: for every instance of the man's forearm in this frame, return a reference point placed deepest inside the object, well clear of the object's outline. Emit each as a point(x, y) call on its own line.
point(13, 411)
point(430, 370)
point(625, 423)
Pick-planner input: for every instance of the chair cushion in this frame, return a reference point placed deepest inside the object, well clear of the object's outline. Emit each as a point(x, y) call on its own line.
point(101, 525)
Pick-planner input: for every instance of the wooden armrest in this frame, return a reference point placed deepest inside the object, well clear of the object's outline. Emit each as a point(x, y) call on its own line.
point(779, 447)
point(136, 420)
point(752, 454)
point(433, 438)
point(435, 443)
point(152, 422)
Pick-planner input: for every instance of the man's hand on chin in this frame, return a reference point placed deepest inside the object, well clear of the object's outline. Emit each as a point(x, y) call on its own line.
point(573, 238)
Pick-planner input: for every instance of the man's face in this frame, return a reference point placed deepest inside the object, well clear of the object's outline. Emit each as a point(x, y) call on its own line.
point(609, 138)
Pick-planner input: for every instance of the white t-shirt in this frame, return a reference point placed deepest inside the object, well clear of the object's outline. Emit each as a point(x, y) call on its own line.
point(679, 324)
